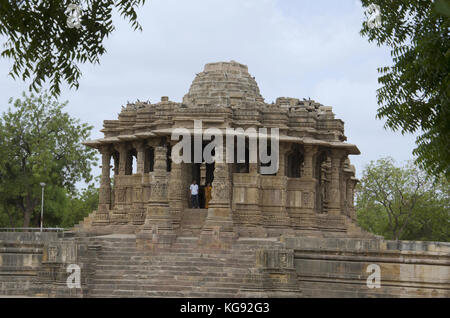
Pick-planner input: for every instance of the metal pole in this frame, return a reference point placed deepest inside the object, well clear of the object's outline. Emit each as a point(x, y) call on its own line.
point(42, 206)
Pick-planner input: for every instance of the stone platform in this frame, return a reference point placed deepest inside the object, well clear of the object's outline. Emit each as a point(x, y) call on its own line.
point(113, 266)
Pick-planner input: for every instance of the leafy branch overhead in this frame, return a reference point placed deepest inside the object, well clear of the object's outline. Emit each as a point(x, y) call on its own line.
point(44, 48)
point(415, 92)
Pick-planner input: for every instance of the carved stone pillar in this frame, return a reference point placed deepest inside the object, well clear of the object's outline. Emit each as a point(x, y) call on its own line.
point(119, 190)
point(158, 229)
point(202, 174)
point(123, 151)
point(104, 206)
point(218, 228)
point(176, 194)
point(137, 210)
point(140, 149)
point(147, 177)
point(282, 161)
point(346, 175)
point(122, 205)
point(351, 183)
point(247, 218)
point(335, 182)
point(309, 187)
point(283, 219)
point(310, 153)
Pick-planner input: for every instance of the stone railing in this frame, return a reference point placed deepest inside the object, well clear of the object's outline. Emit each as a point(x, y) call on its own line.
point(340, 267)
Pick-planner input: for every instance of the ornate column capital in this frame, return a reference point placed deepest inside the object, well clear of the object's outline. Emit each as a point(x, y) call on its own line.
point(106, 149)
point(122, 147)
point(338, 153)
point(312, 149)
point(139, 145)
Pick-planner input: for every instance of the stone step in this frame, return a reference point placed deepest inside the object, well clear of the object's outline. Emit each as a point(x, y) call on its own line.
point(177, 262)
point(106, 293)
point(182, 270)
point(145, 273)
point(177, 286)
point(175, 279)
point(176, 257)
point(171, 267)
point(114, 275)
point(232, 264)
point(143, 286)
point(173, 251)
point(172, 257)
point(175, 292)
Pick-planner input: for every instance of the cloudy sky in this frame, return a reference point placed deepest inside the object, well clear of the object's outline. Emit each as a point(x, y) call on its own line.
point(294, 48)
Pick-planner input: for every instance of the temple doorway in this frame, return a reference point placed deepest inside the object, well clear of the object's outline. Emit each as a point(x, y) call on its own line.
point(203, 174)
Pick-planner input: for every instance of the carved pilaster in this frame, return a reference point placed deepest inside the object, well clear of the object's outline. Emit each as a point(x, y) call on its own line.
point(203, 174)
point(140, 150)
point(351, 183)
point(138, 212)
point(282, 160)
point(335, 182)
point(104, 206)
point(122, 149)
point(121, 197)
point(218, 228)
point(310, 154)
point(158, 229)
point(176, 194)
point(105, 182)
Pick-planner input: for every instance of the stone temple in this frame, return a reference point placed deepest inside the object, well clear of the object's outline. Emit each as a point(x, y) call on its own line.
point(292, 233)
point(311, 194)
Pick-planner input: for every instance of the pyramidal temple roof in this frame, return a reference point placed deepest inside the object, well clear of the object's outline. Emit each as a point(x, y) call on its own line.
point(220, 82)
point(225, 95)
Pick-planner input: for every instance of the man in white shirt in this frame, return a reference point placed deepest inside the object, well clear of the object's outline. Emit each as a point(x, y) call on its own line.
point(194, 195)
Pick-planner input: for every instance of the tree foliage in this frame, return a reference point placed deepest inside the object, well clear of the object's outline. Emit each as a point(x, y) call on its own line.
point(77, 207)
point(40, 143)
point(44, 48)
point(61, 209)
point(415, 91)
point(403, 202)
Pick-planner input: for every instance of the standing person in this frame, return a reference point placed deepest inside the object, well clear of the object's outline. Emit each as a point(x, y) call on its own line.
point(208, 190)
point(194, 194)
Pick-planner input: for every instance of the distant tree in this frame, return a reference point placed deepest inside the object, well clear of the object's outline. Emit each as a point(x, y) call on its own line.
point(44, 47)
point(40, 143)
point(415, 92)
point(403, 202)
point(79, 206)
point(62, 209)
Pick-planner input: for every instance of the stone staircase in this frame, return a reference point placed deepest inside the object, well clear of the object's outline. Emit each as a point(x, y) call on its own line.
point(181, 271)
point(192, 222)
point(354, 230)
point(86, 223)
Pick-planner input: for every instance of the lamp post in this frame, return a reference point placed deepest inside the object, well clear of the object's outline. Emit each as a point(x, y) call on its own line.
point(42, 205)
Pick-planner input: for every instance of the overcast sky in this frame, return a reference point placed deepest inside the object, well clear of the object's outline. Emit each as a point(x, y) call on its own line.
point(294, 48)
